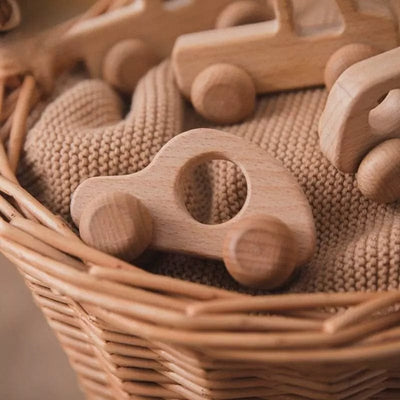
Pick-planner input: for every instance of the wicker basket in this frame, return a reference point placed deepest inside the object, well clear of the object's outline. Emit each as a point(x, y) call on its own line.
point(130, 334)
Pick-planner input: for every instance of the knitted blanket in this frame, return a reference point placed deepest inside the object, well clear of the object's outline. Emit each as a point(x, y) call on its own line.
point(84, 133)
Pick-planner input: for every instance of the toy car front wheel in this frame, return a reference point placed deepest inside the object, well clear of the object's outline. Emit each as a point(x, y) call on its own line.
point(344, 58)
point(223, 93)
point(260, 251)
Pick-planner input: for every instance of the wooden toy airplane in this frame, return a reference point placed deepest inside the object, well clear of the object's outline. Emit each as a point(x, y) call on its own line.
point(221, 71)
point(262, 245)
point(360, 126)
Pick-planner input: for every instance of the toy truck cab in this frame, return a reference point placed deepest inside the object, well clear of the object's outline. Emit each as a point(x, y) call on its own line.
point(270, 56)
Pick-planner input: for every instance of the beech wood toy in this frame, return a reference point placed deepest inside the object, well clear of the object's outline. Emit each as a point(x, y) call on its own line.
point(122, 45)
point(261, 246)
point(221, 71)
point(360, 126)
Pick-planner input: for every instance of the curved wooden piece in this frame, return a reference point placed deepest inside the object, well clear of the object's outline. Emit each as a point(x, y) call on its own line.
point(351, 124)
point(272, 191)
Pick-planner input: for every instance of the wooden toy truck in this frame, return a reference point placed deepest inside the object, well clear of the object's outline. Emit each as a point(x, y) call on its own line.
point(221, 71)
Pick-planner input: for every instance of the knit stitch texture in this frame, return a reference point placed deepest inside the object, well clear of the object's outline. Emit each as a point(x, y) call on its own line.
point(83, 134)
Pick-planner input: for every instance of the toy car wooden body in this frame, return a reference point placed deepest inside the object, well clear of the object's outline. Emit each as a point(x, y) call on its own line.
point(360, 126)
point(273, 54)
point(274, 231)
point(118, 45)
point(150, 27)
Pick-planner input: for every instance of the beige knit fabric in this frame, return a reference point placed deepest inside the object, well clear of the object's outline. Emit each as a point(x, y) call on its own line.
point(80, 135)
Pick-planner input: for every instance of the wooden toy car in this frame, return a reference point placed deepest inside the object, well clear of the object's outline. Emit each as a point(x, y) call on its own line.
point(360, 126)
point(270, 236)
point(221, 71)
point(122, 45)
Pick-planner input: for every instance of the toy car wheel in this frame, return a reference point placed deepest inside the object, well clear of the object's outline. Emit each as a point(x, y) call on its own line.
point(126, 62)
point(244, 12)
point(223, 93)
point(344, 58)
point(260, 252)
point(378, 174)
point(118, 224)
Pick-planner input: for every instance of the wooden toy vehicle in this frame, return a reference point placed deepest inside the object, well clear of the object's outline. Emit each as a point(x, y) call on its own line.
point(271, 235)
point(122, 45)
point(221, 71)
point(360, 126)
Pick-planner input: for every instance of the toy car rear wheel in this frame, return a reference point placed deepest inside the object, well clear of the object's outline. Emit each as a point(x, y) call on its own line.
point(260, 251)
point(126, 62)
point(344, 58)
point(223, 93)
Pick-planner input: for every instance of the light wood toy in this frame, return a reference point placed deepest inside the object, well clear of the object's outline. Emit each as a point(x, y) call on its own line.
point(122, 45)
point(360, 126)
point(221, 71)
point(261, 246)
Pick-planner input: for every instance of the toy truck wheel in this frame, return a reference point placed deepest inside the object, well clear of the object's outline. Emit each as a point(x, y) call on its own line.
point(379, 171)
point(244, 12)
point(344, 58)
point(223, 93)
point(126, 62)
point(260, 252)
